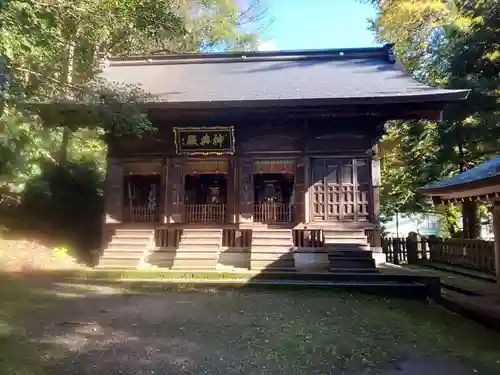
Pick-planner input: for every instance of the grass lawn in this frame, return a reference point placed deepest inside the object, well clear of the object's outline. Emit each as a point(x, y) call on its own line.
point(48, 326)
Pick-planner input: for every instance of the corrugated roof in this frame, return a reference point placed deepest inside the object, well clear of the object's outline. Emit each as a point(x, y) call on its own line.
point(490, 168)
point(328, 75)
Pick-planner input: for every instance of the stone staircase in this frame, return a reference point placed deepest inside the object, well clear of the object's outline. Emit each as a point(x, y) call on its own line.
point(272, 250)
point(198, 250)
point(349, 251)
point(127, 248)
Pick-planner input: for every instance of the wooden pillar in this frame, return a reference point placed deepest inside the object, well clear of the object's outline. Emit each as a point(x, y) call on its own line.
point(176, 185)
point(246, 196)
point(114, 191)
point(375, 199)
point(164, 191)
point(231, 177)
point(496, 231)
point(307, 196)
point(300, 191)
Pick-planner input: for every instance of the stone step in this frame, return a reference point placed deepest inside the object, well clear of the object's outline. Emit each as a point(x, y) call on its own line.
point(350, 271)
point(352, 263)
point(343, 232)
point(210, 236)
point(347, 240)
point(195, 255)
point(270, 264)
point(197, 248)
point(116, 267)
point(272, 235)
point(129, 242)
point(350, 254)
point(122, 254)
point(271, 256)
point(130, 238)
point(272, 242)
point(200, 241)
point(272, 250)
point(119, 262)
point(272, 230)
point(125, 247)
point(201, 230)
point(194, 263)
point(183, 267)
point(134, 232)
point(347, 246)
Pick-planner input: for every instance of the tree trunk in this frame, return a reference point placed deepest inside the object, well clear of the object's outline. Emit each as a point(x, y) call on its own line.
point(67, 133)
point(472, 227)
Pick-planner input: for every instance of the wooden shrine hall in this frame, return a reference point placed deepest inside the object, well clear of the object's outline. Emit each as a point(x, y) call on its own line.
point(480, 184)
point(260, 159)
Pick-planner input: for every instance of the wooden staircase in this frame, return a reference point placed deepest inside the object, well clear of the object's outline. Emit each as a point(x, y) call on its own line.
point(349, 251)
point(127, 248)
point(272, 250)
point(198, 250)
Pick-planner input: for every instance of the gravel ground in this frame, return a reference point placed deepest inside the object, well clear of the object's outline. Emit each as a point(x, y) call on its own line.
point(82, 329)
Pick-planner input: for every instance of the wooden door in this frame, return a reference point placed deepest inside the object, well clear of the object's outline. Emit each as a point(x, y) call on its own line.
point(336, 194)
point(176, 185)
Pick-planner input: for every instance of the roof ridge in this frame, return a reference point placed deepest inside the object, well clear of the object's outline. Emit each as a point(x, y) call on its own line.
point(384, 53)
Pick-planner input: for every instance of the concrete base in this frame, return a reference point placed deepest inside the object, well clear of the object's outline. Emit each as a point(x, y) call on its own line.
point(380, 258)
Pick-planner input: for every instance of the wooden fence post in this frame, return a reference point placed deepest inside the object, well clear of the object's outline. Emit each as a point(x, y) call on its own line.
point(396, 248)
point(423, 247)
point(412, 248)
point(433, 242)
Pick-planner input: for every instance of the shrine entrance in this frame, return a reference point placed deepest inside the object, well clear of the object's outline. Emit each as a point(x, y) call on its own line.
point(274, 196)
point(205, 192)
point(141, 198)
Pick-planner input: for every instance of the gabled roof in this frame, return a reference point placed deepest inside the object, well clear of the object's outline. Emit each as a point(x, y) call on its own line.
point(318, 77)
point(488, 169)
point(480, 183)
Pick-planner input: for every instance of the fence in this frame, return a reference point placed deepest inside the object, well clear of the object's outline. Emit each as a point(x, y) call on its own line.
point(205, 213)
point(474, 254)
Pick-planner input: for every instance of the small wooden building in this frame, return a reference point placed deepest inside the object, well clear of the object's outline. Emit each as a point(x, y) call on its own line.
point(258, 155)
point(480, 184)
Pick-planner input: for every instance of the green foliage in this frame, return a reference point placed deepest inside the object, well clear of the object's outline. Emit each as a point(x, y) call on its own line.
point(447, 43)
point(49, 54)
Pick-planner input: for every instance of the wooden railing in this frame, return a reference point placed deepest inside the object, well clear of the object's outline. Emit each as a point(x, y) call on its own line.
point(167, 237)
point(241, 238)
point(308, 238)
point(272, 213)
point(475, 254)
point(396, 249)
point(205, 213)
point(141, 214)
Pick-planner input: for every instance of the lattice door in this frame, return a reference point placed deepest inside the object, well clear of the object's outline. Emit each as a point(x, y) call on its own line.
point(336, 192)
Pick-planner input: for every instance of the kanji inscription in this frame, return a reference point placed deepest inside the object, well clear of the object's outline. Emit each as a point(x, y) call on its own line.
point(217, 140)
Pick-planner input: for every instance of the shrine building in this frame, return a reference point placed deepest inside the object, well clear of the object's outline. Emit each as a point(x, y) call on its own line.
point(261, 160)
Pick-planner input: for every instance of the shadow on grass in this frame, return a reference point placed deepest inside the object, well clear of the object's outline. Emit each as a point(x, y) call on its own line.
point(58, 324)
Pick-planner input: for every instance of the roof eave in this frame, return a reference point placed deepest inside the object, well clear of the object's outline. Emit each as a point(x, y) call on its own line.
point(460, 188)
point(444, 98)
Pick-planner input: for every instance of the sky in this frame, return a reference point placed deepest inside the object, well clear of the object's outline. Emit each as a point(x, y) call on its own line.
point(317, 24)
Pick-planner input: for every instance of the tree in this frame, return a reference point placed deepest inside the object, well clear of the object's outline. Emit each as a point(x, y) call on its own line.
point(50, 49)
point(453, 44)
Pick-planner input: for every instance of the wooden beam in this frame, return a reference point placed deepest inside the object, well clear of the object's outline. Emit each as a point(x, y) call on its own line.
point(496, 231)
point(163, 189)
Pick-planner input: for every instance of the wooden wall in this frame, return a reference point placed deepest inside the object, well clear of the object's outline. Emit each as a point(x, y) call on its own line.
point(332, 136)
point(296, 139)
